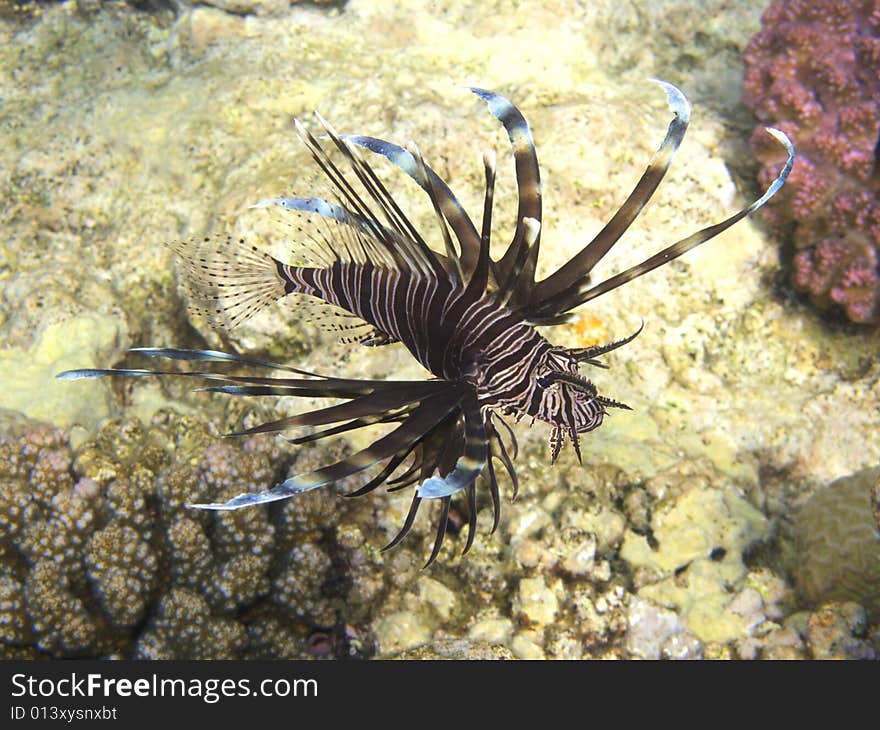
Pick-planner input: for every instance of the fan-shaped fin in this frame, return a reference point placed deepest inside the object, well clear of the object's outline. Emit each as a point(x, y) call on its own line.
point(381, 403)
point(319, 386)
point(345, 235)
point(418, 423)
point(471, 462)
point(354, 424)
point(381, 477)
point(407, 241)
point(228, 281)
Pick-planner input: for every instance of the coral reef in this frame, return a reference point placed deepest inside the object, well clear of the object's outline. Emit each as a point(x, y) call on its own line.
point(125, 129)
point(814, 72)
point(100, 557)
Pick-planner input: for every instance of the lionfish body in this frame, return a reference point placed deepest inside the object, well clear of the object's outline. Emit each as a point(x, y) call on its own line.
point(467, 318)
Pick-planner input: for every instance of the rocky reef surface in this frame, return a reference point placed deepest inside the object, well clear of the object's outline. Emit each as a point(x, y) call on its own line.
point(680, 537)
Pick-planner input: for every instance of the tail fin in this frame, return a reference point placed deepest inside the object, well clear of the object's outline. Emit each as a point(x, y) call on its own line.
point(228, 281)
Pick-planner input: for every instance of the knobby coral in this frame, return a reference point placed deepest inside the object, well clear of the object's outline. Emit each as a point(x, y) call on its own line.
point(100, 557)
point(814, 72)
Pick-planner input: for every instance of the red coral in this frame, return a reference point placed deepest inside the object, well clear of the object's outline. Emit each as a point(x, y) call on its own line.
point(814, 72)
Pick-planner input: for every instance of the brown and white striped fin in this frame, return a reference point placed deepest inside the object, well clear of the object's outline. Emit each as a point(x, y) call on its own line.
point(585, 293)
point(516, 267)
point(226, 280)
point(413, 428)
point(577, 268)
point(407, 240)
point(469, 464)
point(454, 213)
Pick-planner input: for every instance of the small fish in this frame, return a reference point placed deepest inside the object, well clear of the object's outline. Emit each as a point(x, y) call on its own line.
point(467, 318)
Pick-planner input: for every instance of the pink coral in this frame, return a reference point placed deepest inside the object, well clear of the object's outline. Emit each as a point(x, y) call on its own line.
point(814, 72)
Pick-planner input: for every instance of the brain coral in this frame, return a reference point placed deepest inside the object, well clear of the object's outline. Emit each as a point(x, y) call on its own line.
point(838, 544)
point(814, 72)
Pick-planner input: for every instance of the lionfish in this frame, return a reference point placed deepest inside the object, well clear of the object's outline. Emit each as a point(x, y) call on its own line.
point(468, 318)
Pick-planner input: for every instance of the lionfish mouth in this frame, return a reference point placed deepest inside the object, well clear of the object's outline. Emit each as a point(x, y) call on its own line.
point(373, 269)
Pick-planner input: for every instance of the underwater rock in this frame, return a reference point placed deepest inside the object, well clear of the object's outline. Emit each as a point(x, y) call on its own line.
point(28, 375)
point(536, 602)
point(401, 631)
point(255, 7)
point(814, 72)
point(494, 630)
point(694, 559)
point(650, 628)
point(457, 649)
point(524, 646)
point(783, 643)
point(838, 631)
point(203, 27)
point(682, 645)
point(438, 596)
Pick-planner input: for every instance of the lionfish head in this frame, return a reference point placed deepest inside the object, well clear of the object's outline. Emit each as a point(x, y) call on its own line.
point(572, 405)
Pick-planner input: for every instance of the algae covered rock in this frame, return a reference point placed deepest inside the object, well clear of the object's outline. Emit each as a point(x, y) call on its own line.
point(839, 631)
point(655, 632)
point(28, 374)
point(694, 559)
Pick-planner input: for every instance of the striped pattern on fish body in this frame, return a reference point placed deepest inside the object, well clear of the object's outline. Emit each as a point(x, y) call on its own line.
point(402, 305)
point(469, 319)
point(474, 339)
